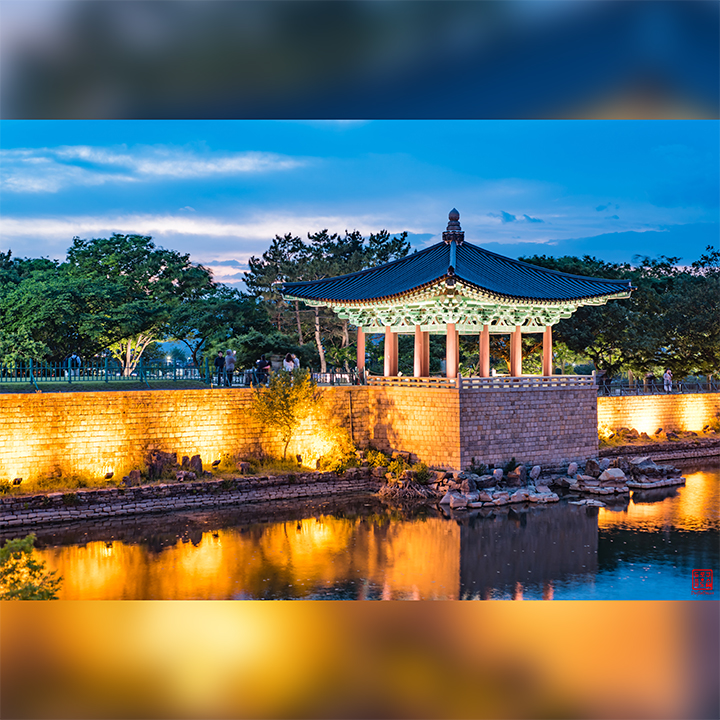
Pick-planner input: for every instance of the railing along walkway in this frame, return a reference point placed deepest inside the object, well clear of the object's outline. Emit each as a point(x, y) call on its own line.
point(525, 382)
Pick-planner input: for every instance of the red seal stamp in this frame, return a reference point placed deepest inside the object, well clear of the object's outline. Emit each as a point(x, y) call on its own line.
point(702, 581)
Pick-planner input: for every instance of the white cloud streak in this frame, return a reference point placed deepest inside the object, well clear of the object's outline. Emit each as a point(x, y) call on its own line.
point(49, 170)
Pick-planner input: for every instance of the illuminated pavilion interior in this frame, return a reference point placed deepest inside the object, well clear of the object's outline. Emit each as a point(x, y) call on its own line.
point(455, 288)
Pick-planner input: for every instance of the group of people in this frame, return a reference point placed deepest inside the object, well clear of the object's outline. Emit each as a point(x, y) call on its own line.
point(225, 367)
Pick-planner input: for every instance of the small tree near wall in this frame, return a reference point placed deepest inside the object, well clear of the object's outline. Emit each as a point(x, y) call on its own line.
point(289, 399)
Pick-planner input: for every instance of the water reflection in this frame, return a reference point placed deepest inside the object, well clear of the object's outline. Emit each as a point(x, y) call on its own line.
point(363, 549)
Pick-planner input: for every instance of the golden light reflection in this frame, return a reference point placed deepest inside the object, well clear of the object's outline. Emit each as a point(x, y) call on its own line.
point(342, 660)
point(416, 559)
point(690, 507)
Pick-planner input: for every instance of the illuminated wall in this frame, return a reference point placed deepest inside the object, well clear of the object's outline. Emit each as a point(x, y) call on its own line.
point(95, 433)
point(648, 413)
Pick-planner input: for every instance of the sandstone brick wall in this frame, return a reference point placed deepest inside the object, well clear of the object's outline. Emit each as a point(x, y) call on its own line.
point(96, 433)
point(691, 411)
point(534, 425)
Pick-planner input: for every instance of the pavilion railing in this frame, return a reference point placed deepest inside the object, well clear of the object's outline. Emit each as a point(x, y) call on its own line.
point(526, 382)
point(409, 381)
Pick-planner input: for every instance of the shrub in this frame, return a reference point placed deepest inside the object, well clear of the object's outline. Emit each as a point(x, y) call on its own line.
point(22, 577)
point(397, 467)
point(422, 473)
point(511, 464)
point(343, 454)
point(376, 458)
point(478, 469)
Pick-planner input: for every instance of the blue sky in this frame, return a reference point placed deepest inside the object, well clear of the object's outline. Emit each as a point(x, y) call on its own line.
point(220, 190)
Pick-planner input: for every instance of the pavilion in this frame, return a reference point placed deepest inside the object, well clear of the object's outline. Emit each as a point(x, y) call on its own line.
point(455, 288)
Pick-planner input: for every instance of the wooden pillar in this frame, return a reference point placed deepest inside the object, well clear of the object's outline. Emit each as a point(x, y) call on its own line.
point(391, 353)
point(360, 349)
point(417, 368)
point(452, 355)
point(547, 351)
point(516, 352)
point(425, 367)
point(485, 352)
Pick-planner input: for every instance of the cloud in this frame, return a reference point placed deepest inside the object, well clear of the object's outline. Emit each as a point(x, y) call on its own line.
point(227, 263)
point(532, 219)
point(612, 217)
point(49, 170)
point(600, 208)
point(504, 217)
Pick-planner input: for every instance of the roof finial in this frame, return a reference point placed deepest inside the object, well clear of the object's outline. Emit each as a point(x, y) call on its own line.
point(454, 231)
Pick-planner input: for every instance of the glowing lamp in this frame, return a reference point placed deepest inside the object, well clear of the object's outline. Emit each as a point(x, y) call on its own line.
point(109, 475)
point(17, 481)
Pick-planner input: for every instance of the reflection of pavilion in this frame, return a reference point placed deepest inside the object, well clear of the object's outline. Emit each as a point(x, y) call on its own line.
point(527, 548)
point(456, 288)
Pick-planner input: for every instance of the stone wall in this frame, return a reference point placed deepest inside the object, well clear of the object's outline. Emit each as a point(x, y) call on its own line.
point(647, 413)
point(534, 425)
point(25, 510)
point(93, 434)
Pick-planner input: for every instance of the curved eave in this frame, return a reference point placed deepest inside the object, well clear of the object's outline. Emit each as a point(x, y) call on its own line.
point(619, 294)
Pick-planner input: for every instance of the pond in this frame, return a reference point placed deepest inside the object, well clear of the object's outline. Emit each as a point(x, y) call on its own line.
point(362, 549)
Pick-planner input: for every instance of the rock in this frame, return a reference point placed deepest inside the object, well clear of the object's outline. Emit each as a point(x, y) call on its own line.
point(468, 485)
point(535, 472)
point(196, 464)
point(473, 496)
point(159, 462)
point(185, 462)
point(458, 503)
point(572, 469)
point(672, 436)
point(379, 471)
point(484, 497)
point(244, 467)
point(519, 496)
point(498, 474)
point(446, 498)
point(485, 481)
point(604, 464)
point(401, 454)
point(185, 475)
point(632, 434)
point(132, 479)
point(592, 467)
point(612, 474)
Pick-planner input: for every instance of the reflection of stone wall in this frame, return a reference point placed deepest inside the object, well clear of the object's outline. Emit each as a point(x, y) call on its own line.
point(538, 547)
point(669, 412)
point(543, 425)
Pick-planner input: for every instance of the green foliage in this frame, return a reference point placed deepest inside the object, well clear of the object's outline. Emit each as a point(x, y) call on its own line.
point(22, 576)
point(478, 468)
point(290, 259)
point(249, 346)
point(377, 458)
point(288, 399)
point(510, 466)
point(672, 319)
point(422, 473)
point(397, 467)
point(343, 454)
point(5, 487)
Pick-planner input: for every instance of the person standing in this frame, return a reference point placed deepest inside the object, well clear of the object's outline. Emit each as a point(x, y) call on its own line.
point(262, 366)
point(288, 363)
point(229, 367)
point(296, 362)
point(220, 367)
point(667, 379)
point(74, 365)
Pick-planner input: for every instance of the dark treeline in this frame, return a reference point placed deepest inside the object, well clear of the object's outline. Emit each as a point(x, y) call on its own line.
point(120, 296)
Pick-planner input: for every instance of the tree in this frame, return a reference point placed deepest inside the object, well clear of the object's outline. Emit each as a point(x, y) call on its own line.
point(288, 399)
point(22, 576)
point(209, 322)
point(148, 284)
point(289, 259)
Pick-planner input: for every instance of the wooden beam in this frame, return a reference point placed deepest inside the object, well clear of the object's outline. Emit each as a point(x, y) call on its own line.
point(360, 349)
point(452, 359)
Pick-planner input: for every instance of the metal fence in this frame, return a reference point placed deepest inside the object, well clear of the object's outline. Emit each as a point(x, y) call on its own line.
point(98, 370)
point(657, 387)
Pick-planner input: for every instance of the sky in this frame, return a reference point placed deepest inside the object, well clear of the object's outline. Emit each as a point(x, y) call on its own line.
point(220, 190)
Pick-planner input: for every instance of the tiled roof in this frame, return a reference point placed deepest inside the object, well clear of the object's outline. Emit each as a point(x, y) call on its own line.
point(496, 274)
